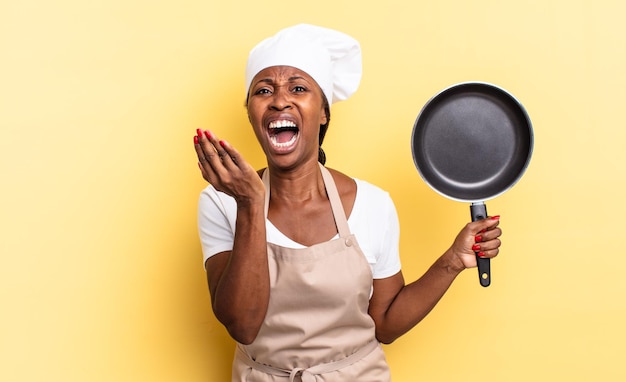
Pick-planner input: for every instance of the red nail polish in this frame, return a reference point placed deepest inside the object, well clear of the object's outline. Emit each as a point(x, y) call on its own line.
point(195, 139)
point(481, 254)
point(484, 230)
point(478, 238)
point(199, 132)
point(475, 247)
point(495, 217)
point(207, 134)
point(222, 143)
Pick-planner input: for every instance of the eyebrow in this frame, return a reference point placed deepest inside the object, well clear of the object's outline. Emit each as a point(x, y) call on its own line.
point(290, 79)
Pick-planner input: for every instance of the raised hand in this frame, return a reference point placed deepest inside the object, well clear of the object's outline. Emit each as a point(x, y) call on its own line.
point(224, 167)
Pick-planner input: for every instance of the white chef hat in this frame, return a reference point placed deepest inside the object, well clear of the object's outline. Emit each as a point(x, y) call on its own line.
point(331, 58)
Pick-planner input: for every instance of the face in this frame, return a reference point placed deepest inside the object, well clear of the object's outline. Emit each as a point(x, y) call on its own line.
point(286, 109)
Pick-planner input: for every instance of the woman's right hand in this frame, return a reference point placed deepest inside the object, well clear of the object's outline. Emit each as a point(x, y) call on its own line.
point(223, 167)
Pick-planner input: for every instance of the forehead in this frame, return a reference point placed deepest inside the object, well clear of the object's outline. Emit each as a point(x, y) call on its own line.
point(282, 73)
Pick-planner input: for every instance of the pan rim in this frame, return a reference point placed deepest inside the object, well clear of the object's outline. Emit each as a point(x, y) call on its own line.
point(474, 84)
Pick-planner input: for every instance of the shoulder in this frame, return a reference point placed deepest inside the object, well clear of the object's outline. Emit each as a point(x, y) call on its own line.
point(367, 197)
point(346, 187)
point(374, 203)
point(371, 190)
point(345, 184)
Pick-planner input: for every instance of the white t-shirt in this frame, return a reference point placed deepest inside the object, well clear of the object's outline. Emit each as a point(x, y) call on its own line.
point(373, 221)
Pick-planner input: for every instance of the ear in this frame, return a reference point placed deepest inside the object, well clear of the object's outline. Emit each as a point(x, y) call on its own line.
point(323, 115)
point(323, 119)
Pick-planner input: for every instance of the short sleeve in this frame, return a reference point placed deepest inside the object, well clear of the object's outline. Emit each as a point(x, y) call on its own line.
point(388, 259)
point(374, 221)
point(217, 213)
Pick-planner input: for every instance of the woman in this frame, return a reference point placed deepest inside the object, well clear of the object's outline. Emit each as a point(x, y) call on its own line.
point(302, 261)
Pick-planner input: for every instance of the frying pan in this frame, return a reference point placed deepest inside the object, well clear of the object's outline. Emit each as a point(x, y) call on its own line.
point(472, 142)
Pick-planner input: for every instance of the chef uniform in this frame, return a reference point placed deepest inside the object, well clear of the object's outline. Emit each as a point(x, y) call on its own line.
point(317, 326)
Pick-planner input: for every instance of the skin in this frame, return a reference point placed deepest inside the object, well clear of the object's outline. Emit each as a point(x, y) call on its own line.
point(300, 209)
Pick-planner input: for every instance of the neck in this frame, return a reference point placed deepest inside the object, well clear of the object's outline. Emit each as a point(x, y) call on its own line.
point(304, 184)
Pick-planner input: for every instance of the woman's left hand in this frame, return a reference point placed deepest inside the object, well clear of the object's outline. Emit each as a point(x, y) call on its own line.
point(480, 238)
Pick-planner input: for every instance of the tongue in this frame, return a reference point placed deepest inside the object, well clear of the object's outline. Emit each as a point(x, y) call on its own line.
point(284, 136)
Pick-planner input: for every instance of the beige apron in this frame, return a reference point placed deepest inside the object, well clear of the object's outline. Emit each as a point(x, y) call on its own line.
point(317, 327)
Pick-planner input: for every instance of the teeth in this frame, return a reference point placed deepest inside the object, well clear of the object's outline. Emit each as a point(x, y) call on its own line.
point(283, 144)
point(281, 124)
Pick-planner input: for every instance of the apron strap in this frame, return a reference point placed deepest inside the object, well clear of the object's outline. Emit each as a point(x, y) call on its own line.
point(333, 196)
point(266, 182)
point(335, 203)
point(308, 375)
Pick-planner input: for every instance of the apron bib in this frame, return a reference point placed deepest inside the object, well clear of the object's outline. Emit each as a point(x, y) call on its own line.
point(317, 327)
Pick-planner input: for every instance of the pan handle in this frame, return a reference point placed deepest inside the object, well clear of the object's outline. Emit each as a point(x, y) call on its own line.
point(479, 212)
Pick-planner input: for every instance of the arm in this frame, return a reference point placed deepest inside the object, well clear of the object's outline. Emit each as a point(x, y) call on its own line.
point(396, 307)
point(238, 279)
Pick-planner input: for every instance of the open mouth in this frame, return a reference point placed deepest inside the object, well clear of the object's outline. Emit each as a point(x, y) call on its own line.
point(283, 133)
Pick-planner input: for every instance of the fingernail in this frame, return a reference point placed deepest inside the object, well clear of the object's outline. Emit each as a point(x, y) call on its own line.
point(207, 134)
point(222, 143)
point(481, 254)
point(478, 238)
point(484, 230)
point(199, 132)
point(195, 139)
point(495, 217)
point(475, 247)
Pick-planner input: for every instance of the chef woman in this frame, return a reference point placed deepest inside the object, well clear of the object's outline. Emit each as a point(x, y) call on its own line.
point(302, 260)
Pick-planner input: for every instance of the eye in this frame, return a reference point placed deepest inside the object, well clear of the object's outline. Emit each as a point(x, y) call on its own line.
point(263, 91)
point(299, 89)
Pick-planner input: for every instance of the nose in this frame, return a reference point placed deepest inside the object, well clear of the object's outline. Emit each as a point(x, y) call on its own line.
point(280, 99)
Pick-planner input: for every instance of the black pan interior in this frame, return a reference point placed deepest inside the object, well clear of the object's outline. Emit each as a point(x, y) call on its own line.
point(472, 141)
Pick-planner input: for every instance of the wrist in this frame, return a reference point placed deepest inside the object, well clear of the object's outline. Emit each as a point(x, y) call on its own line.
point(251, 202)
point(451, 263)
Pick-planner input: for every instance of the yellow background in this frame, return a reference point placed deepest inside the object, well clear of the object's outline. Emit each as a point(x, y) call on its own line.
point(101, 275)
